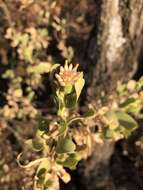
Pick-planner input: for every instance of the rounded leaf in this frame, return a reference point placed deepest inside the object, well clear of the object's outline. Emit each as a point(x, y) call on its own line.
point(71, 161)
point(126, 121)
point(35, 144)
point(43, 168)
point(65, 146)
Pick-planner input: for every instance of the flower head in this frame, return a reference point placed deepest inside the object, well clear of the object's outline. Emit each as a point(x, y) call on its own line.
point(68, 75)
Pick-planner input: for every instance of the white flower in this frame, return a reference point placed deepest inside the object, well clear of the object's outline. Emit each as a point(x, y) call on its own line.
point(68, 75)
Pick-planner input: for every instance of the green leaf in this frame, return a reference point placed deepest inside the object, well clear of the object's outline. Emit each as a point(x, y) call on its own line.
point(43, 32)
point(140, 84)
point(132, 105)
point(43, 124)
point(121, 123)
point(88, 114)
point(121, 89)
point(79, 86)
point(71, 161)
point(35, 144)
point(55, 66)
point(31, 95)
point(85, 116)
point(24, 39)
point(44, 167)
point(28, 53)
point(68, 89)
point(60, 99)
point(70, 100)
point(108, 133)
point(63, 127)
point(40, 68)
point(112, 118)
point(127, 102)
point(126, 121)
point(65, 146)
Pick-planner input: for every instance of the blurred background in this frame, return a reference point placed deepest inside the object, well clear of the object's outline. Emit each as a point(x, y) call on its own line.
point(105, 39)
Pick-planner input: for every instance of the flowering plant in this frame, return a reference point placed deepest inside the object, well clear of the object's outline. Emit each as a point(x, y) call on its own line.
point(63, 141)
point(54, 139)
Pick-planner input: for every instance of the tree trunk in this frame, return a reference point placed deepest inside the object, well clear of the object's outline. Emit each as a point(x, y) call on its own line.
point(112, 54)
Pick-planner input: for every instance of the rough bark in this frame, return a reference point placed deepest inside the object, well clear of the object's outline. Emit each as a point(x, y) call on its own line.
point(113, 49)
point(114, 43)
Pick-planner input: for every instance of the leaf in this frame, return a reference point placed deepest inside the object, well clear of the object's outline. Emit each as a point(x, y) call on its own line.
point(31, 95)
point(79, 86)
point(68, 89)
point(44, 167)
point(43, 32)
point(24, 39)
point(40, 68)
point(132, 105)
point(70, 100)
point(65, 146)
point(140, 84)
point(87, 115)
point(28, 53)
point(121, 89)
point(127, 102)
point(63, 127)
point(60, 99)
point(126, 121)
point(119, 123)
point(55, 66)
point(113, 120)
point(43, 124)
point(108, 133)
point(71, 161)
point(35, 144)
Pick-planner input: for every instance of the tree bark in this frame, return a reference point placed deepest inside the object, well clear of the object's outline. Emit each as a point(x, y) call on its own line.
point(114, 44)
point(112, 54)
